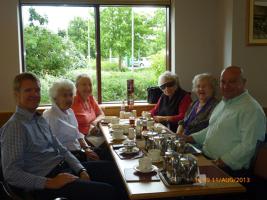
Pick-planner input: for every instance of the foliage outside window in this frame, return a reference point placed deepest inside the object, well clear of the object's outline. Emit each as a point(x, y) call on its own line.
point(133, 46)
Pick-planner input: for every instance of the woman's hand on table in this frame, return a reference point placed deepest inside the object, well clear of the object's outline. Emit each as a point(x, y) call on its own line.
point(93, 130)
point(180, 131)
point(91, 154)
point(160, 118)
point(187, 138)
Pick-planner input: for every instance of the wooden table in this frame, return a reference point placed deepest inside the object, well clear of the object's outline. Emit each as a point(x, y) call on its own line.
point(147, 190)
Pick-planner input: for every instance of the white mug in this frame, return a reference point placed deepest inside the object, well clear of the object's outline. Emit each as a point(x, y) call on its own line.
point(154, 154)
point(145, 164)
point(114, 120)
point(127, 115)
point(146, 114)
point(117, 134)
point(122, 114)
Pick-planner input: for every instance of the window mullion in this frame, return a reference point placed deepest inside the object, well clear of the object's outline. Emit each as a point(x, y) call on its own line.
point(98, 54)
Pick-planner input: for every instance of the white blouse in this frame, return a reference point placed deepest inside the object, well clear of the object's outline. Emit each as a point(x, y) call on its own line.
point(64, 126)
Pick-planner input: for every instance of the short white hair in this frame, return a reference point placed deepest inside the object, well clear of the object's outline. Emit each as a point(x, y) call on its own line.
point(168, 76)
point(82, 76)
point(205, 76)
point(58, 85)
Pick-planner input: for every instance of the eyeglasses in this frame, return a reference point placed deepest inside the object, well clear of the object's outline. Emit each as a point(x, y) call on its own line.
point(168, 84)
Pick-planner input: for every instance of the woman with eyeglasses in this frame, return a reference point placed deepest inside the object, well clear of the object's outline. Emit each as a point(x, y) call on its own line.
point(198, 115)
point(173, 103)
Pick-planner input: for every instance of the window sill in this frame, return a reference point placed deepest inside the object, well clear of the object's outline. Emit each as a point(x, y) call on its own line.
point(111, 109)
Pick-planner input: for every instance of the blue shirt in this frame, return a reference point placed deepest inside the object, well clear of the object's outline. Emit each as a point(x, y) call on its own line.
point(29, 151)
point(234, 128)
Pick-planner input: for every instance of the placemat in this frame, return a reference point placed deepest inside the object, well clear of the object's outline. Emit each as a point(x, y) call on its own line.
point(124, 156)
point(133, 176)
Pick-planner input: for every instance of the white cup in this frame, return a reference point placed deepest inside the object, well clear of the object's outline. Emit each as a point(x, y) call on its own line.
point(122, 114)
point(115, 120)
point(146, 114)
point(150, 124)
point(117, 134)
point(145, 164)
point(154, 154)
point(127, 115)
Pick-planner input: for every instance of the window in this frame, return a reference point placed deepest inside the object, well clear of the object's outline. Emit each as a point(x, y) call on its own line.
point(111, 43)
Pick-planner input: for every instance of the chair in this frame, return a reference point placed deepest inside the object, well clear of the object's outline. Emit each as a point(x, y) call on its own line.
point(257, 185)
point(260, 165)
point(5, 190)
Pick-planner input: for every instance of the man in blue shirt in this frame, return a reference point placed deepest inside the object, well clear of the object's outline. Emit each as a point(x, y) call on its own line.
point(34, 160)
point(236, 125)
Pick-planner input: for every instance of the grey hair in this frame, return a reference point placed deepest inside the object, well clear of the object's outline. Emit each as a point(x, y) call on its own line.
point(205, 76)
point(82, 76)
point(168, 76)
point(237, 68)
point(58, 85)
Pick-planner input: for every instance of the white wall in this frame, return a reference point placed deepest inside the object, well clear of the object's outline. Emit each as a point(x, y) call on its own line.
point(226, 31)
point(252, 58)
point(197, 39)
point(9, 52)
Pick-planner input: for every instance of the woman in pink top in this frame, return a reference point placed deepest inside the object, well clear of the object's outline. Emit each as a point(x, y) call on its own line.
point(85, 107)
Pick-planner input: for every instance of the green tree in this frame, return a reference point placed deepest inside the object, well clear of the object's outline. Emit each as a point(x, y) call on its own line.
point(115, 23)
point(37, 18)
point(82, 33)
point(159, 31)
point(46, 52)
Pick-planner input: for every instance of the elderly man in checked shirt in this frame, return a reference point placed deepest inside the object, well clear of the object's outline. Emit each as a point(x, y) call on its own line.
point(34, 160)
point(236, 125)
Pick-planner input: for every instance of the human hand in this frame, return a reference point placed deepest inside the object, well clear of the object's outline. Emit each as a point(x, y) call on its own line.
point(96, 123)
point(84, 175)
point(91, 154)
point(219, 162)
point(160, 118)
point(93, 130)
point(180, 131)
point(60, 180)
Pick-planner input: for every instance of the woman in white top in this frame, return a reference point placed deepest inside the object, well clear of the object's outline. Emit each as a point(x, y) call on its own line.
point(62, 121)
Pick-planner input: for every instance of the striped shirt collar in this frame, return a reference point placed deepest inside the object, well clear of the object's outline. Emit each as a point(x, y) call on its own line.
point(26, 114)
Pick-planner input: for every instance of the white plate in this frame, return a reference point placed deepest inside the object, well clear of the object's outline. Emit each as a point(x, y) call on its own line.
point(122, 138)
point(153, 168)
point(150, 133)
point(123, 150)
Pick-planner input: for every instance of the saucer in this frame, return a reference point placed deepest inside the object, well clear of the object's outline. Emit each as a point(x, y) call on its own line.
point(123, 150)
point(150, 133)
point(153, 168)
point(122, 138)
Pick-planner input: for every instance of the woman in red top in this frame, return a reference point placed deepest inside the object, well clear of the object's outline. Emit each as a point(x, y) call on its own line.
point(173, 103)
point(85, 107)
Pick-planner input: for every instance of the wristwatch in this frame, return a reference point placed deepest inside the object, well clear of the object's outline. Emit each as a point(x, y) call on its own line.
point(85, 147)
point(82, 170)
